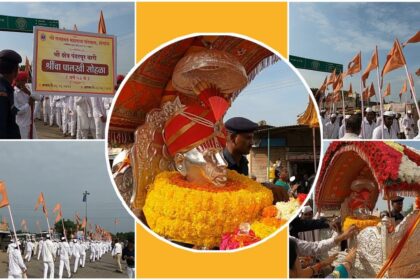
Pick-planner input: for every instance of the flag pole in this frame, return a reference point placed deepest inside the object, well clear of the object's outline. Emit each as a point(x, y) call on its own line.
point(412, 90)
point(344, 109)
point(380, 99)
point(48, 224)
point(363, 109)
point(13, 225)
point(64, 229)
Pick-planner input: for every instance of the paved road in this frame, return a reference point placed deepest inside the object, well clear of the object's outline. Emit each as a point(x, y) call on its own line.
point(104, 268)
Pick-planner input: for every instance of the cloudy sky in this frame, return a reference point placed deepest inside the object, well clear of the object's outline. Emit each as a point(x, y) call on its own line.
point(119, 20)
point(336, 32)
point(62, 171)
point(276, 95)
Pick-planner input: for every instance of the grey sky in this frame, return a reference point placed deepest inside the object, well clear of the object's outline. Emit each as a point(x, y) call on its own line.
point(119, 20)
point(62, 171)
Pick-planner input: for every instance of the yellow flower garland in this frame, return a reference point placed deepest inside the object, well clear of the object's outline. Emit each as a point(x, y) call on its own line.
point(200, 217)
point(360, 223)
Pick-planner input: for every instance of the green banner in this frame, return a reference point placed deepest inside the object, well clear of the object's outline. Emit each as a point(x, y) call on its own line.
point(315, 65)
point(22, 24)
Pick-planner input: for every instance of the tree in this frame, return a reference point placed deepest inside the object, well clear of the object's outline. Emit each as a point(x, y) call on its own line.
point(71, 228)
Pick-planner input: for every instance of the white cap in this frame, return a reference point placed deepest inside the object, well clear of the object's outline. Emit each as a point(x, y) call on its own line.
point(348, 117)
point(409, 112)
point(368, 110)
point(292, 179)
point(306, 209)
point(323, 111)
point(333, 115)
point(389, 113)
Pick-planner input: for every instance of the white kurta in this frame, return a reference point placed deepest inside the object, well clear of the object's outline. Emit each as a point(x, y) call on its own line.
point(331, 130)
point(368, 129)
point(388, 133)
point(341, 131)
point(16, 264)
point(408, 126)
point(23, 116)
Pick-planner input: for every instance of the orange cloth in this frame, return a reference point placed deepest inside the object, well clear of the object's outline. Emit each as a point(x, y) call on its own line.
point(387, 91)
point(394, 60)
point(372, 65)
point(355, 65)
point(331, 78)
point(404, 87)
point(338, 83)
point(4, 200)
point(414, 39)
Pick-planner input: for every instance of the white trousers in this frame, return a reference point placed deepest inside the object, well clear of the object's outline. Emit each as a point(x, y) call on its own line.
point(131, 272)
point(17, 276)
point(82, 260)
point(100, 128)
point(73, 123)
point(64, 263)
point(46, 110)
point(28, 256)
point(65, 120)
point(49, 266)
point(76, 263)
point(37, 110)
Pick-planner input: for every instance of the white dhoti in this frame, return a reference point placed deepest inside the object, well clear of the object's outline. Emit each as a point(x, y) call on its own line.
point(49, 266)
point(64, 263)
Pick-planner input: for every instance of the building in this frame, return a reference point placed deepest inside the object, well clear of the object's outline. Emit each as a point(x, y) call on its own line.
point(292, 145)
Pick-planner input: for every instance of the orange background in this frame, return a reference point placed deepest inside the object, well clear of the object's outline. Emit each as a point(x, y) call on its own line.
point(157, 23)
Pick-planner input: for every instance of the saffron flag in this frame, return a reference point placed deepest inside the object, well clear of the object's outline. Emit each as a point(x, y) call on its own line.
point(84, 222)
point(41, 201)
point(323, 86)
point(331, 78)
point(4, 200)
point(387, 91)
point(101, 24)
point(28, 68)
point(372, 65)
point(414, 39)
point(394, 60)
point(355, 65)
point(404, 87)
point(338, 83)
point(57, 207)
point(371, 90)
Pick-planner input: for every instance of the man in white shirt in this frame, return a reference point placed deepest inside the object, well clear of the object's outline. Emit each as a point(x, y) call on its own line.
point(64, 258)
point(117, 254)
point(84, 115)
point(29, 248)
point(342, 129)
point(48, 257)
point(332, 127)
point(82, 254)
point(17, 267)
point(24, 102)
point(99, 114)
point(368, 124)
point(40, 244)
point(408, 125)
point(353, 126)
point(76, 254)
point(388, 130)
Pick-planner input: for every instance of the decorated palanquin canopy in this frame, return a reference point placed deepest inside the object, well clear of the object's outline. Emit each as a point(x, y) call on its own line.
point(151, 83)
point(393, 167)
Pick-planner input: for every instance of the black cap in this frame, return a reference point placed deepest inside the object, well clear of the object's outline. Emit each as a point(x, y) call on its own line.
point(397, 199)
point(10, 56)
point(240, 125)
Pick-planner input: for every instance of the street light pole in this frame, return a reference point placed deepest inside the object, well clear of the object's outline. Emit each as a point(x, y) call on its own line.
point(85, 194)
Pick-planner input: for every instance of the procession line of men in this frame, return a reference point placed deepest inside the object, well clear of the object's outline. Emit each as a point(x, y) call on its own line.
point(394, 127)
point(48, 251)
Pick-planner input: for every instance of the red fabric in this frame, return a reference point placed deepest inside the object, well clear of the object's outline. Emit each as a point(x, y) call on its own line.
point(192, 135)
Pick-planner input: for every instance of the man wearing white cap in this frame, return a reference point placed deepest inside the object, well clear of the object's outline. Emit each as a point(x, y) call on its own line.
point(48, 257)
point(64, 258)
point(342, 129)
point(17, 267)
point(408, 125)
point(368, 124)
point(389, 131)
point(76, 254)
point(332, 127)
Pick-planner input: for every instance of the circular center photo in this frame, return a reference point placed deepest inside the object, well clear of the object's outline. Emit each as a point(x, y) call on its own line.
point(213, 142)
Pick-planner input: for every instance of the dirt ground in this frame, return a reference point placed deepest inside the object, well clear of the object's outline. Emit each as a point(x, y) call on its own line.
point(104, 268)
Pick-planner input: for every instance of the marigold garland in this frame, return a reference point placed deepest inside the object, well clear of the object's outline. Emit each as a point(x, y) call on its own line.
point(194, 215)
point(359, 222)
